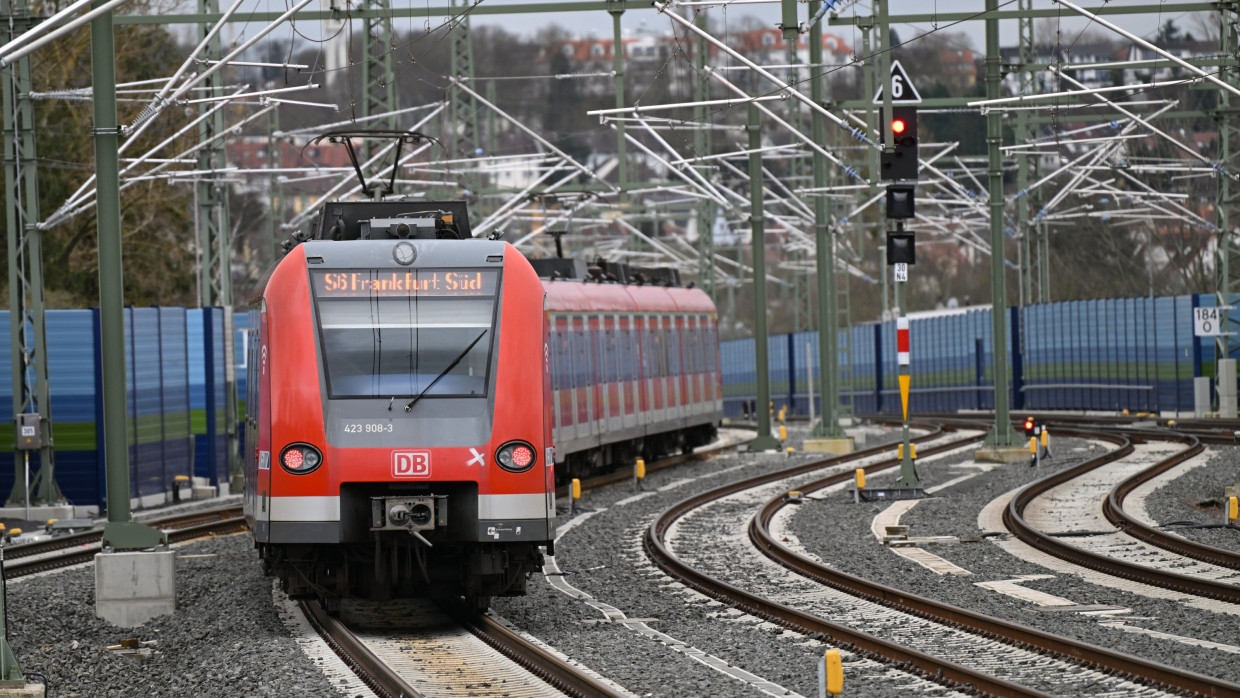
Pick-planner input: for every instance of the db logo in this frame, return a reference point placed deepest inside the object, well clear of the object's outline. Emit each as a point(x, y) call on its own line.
point(411, 464)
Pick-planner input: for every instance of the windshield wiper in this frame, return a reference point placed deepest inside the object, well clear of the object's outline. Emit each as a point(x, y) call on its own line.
point(444, 372)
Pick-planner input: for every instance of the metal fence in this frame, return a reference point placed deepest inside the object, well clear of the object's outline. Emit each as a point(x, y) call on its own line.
point(175, 373)
point(1137, 354)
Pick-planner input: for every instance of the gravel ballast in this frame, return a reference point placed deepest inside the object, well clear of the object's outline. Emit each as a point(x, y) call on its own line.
point(227, 639)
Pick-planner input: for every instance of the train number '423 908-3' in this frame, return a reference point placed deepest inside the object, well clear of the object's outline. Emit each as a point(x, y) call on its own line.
point(367, 427)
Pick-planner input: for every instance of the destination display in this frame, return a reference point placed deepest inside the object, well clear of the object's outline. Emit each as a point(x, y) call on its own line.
point(365, 283)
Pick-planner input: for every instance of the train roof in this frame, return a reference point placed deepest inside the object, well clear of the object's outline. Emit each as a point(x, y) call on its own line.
point(575, 296)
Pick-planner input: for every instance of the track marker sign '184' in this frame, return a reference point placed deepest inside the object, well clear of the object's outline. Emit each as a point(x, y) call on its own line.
point(902, 90)
point(1208, 322)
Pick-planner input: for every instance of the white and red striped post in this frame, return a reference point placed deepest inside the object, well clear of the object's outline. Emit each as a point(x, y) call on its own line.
point(908, 474)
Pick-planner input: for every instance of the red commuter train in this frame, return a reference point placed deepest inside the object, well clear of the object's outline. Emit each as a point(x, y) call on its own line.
point(399, 415)
point(407, 384)
point(634, 365)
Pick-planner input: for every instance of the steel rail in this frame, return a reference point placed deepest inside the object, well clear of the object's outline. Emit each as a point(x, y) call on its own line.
point(86, 552)
point(1013, 518)
point(620, 475)
point(534, 658)
point(1113, 509)
point(932, 668)
point(70, 540)
point(377, 676)
point(1091, 655)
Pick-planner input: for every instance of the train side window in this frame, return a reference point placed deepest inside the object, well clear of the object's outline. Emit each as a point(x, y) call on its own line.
point(591, 352)
point(691, 345)
point(609, 352)
point(678, 361)
point(712, 355)
point(578, 354)
point(634, 352)
point(626, 349)
point(557, 356)
point(664, 364)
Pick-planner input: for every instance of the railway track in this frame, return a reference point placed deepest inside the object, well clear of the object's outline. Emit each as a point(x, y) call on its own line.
point(1016, 522)
point(624, 475)
point(81, 547)
point(1078, 654)
point(408, 672)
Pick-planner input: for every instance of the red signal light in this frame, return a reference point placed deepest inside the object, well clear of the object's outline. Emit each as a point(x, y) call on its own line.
point(898, 126)
point(522, 456)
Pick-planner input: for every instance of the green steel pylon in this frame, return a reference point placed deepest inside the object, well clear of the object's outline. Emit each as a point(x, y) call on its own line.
point(27, 332)
point(463, 141)
point(378, 74)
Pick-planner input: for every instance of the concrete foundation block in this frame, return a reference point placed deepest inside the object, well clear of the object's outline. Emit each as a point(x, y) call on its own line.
point(1201, 396)
point(134, 587)
point(30, 690)
point(1227, 388)
point(1012, 454)
point(837, 447)
point(38, 513)
point(204, 492)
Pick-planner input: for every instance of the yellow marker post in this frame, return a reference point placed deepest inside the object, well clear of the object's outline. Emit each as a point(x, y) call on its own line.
point(900, 451)
point(1033, 445)
point(574, 493)
point(912, 451)
point(783, 413)
point(639, 473)
point(783, 431)
point(833, 672)
point(904, 383)
point(1046, 442)
point(1233, 509)
point(860, 478)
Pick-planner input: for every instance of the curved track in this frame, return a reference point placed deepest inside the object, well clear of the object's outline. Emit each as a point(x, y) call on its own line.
point(1013, 517)
point(1142, 671)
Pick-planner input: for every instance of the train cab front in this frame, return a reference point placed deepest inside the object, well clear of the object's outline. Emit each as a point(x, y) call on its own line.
point(435, 433)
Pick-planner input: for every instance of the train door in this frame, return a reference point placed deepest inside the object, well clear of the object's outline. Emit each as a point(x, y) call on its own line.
point(653, 362)
point(692, 365)
point(563, 383)
point(611, 371)
point(641, 359)
point(627, 360)
point(581, 397)
point(594, 375)
point(714, 377)
point(261, 491)
point(680, 367)
point(699, 374)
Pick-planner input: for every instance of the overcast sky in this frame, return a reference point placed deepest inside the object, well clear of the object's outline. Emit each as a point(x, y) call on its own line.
point(1070, 25)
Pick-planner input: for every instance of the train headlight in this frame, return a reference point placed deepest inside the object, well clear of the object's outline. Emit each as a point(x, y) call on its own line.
point(300, 459)
point(516, 456)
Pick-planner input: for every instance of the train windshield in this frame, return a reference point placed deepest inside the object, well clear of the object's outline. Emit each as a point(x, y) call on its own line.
point(406, 333)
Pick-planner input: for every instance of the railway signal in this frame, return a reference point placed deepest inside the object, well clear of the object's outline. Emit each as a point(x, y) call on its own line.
point(900, 201)
point(901, 162)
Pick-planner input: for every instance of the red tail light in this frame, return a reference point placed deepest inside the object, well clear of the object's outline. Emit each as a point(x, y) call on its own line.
point(300, 459)
point(516, 456)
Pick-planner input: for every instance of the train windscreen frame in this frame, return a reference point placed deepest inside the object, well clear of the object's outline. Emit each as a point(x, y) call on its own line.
point(406, 333)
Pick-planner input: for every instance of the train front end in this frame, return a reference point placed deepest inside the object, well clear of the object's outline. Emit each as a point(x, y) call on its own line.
point(403, 443)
